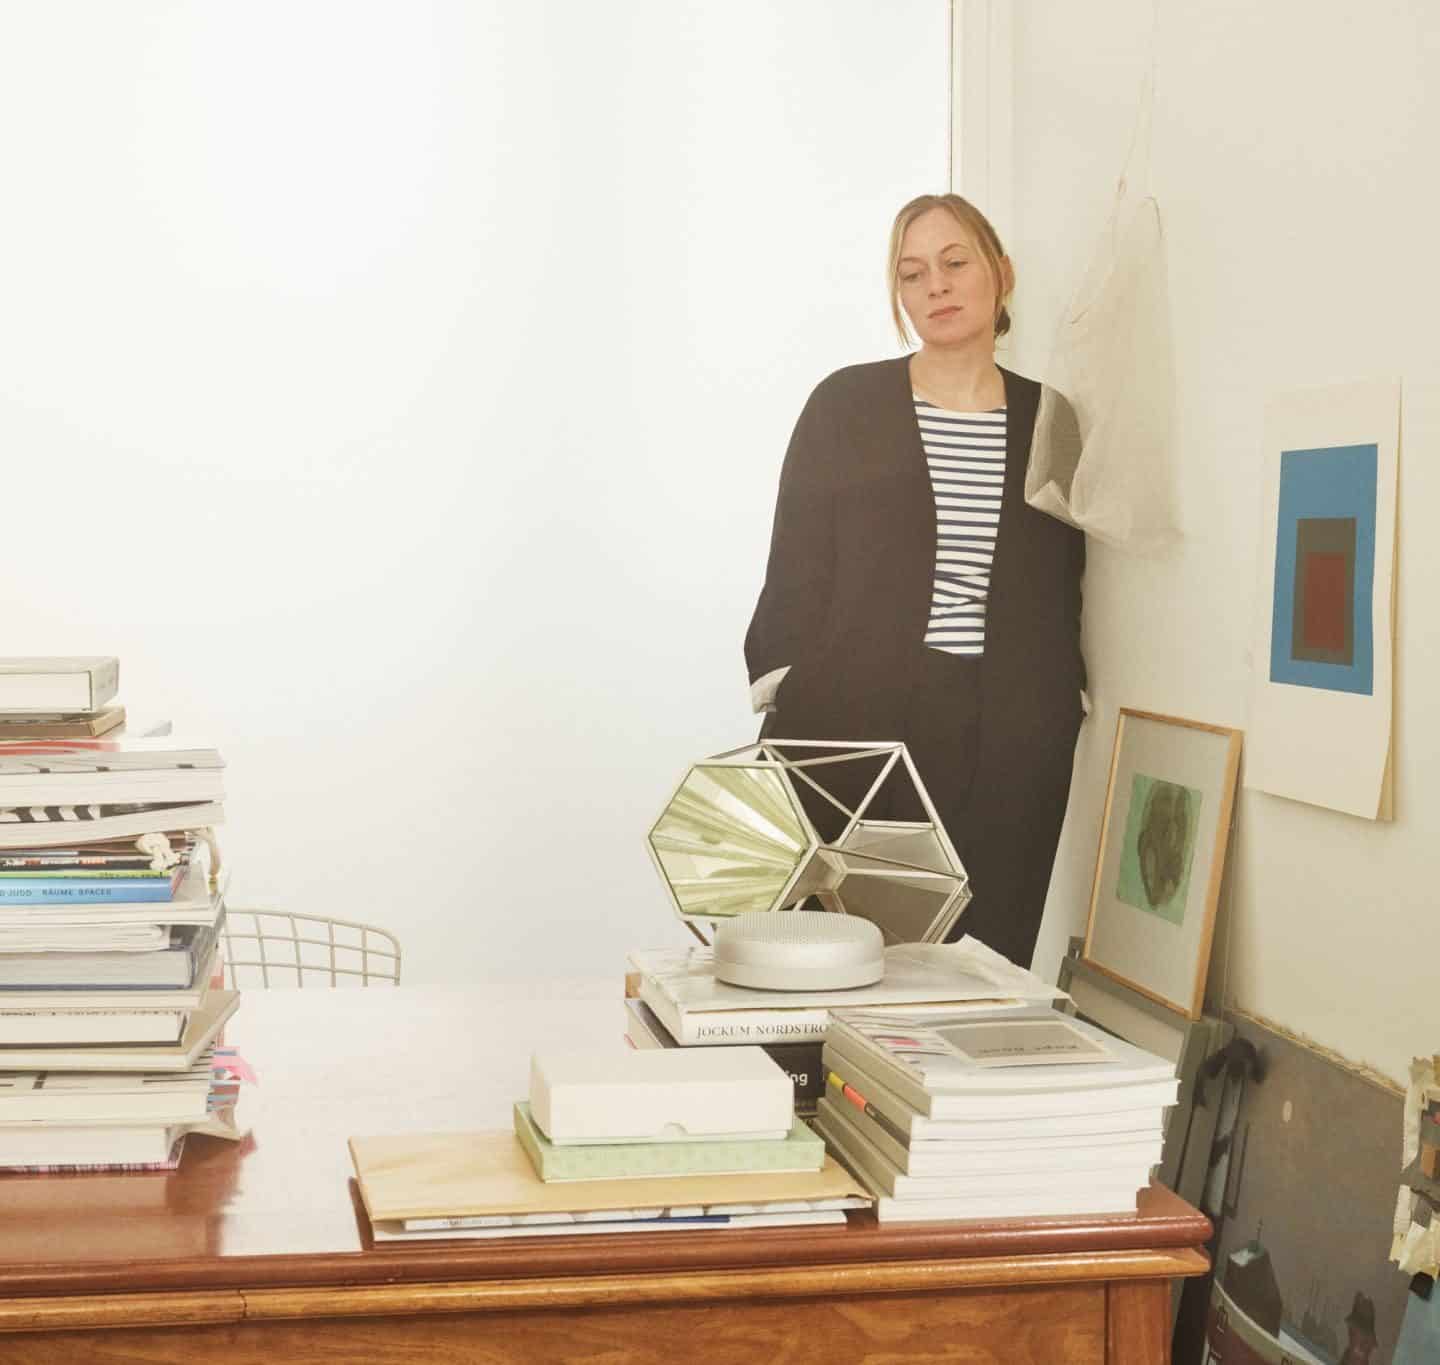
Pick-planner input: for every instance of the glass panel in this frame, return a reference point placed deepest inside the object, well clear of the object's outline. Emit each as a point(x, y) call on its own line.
point(730, 840)
point(908, 904)
point(902, 841)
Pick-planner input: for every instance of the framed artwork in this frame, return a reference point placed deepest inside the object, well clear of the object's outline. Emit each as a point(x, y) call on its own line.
point(1162, 855)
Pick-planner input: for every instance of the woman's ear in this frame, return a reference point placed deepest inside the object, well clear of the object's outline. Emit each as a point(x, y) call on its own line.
point(1007, 280)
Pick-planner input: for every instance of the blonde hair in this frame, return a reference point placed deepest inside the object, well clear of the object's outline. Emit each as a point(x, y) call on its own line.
point(977, 225)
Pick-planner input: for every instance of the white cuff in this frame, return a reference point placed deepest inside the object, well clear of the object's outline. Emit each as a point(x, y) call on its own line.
point(763, 690)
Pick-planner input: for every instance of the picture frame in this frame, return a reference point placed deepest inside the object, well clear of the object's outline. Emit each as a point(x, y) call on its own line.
point(1163, 837)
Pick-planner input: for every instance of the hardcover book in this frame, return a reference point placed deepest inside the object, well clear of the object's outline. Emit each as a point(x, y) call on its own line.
point(58, 684)
point(680, 987)
point(106, 1097)
point(175, 966)
point(201, 1029)
point(49, 1027)
point(54, 725)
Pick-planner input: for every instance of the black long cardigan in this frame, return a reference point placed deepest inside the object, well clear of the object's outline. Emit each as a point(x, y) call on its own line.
point(846, 603)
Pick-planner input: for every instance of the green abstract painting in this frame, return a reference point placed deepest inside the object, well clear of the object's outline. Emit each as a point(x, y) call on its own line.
point(1159, 847)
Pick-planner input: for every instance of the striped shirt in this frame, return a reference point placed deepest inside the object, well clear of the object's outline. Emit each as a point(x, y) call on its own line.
point(965, 452)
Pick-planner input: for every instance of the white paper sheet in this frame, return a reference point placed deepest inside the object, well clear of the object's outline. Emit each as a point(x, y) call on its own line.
point(1306, 741)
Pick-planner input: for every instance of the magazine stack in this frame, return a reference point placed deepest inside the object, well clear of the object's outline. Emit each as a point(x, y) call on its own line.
point(1026, 1115)
point(111, 902)
point(677, 1001)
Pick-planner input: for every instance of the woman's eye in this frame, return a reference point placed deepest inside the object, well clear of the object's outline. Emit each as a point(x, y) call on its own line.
point(910, 278)
point(955, 265)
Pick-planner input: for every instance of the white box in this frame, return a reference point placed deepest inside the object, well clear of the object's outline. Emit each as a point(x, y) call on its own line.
point(674, 1095)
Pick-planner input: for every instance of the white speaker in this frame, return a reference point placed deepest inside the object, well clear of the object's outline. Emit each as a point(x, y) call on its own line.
point(799, 950)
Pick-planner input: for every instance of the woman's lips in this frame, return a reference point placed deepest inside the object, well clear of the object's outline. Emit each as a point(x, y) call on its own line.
point(943, 312)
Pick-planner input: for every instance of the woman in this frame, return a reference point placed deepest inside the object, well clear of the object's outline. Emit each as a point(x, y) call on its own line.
point(910, 592)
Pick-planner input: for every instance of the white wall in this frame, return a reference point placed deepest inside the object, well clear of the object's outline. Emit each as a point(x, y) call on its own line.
point(1293, 153)
point(400, 390)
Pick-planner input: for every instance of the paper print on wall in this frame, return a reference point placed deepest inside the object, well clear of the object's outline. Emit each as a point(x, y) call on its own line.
point(1323, 638)
point(1322, 627)
point(1159, 847)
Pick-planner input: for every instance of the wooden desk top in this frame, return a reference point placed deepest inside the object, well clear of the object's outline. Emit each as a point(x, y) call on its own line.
point(280, 1210)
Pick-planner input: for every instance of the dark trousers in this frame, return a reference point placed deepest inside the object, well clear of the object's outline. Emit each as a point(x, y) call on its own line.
point(1006, 840)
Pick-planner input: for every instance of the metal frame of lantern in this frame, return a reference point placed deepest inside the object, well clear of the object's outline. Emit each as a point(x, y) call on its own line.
point(819, 868)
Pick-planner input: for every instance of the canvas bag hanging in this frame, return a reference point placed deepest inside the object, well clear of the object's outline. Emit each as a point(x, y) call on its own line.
point(1102, 457)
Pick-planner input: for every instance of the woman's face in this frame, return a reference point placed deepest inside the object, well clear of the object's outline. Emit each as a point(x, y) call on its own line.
point(945, 285)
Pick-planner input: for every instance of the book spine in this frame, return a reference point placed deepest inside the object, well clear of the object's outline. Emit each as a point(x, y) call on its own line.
point(848, 1043)
point(720, 1028)
point(104, 683)
point(73, 864)
point(48, 891)
point(900, 1117)
point(137, 872)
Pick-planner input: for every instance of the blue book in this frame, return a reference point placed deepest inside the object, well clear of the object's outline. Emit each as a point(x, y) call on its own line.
point(75, 891)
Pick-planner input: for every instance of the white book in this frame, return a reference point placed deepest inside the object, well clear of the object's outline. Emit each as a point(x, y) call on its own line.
point(992, 1172)
point(108, 998)
point(47, 1144)
point(1098, 1203)
point(680, 987)
point(39, 1027)
point(201, 1030)
point(1099, 1198)
point(189, 785)
point(82, 938)
point(1061, 1112)
point(82, 1097)
point(105, 1144)
point(69, 685)
point(931, 1065)
point(57, 826)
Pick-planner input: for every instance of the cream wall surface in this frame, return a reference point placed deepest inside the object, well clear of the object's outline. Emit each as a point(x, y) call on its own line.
point(1291, 150)
point(400, 390)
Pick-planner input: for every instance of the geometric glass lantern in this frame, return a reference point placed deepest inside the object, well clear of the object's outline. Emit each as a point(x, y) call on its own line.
point(737, 837)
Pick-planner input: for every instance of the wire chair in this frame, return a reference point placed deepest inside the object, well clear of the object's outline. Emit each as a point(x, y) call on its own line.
point(282, 949)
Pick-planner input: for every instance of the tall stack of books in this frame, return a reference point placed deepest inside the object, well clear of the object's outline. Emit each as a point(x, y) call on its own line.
point(680, 1004)
point(972, 1117)
point(111, 900)
point(615, 1142)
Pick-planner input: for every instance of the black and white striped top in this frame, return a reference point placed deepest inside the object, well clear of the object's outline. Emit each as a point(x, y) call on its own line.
point(966, 455)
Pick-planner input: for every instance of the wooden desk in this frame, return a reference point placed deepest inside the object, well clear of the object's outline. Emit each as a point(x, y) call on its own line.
point(261, 1252)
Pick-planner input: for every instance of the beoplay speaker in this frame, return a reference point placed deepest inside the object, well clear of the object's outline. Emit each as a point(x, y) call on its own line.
point(799, 950)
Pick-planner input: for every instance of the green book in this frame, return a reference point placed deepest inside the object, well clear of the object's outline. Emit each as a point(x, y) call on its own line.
point(801, 1150)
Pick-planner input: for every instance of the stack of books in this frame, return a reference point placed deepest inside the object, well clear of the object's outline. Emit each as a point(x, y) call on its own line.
point(959, 1116)
point(111, 901)
point(651, 1142)
point(679, 1003)
point(59, 698)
